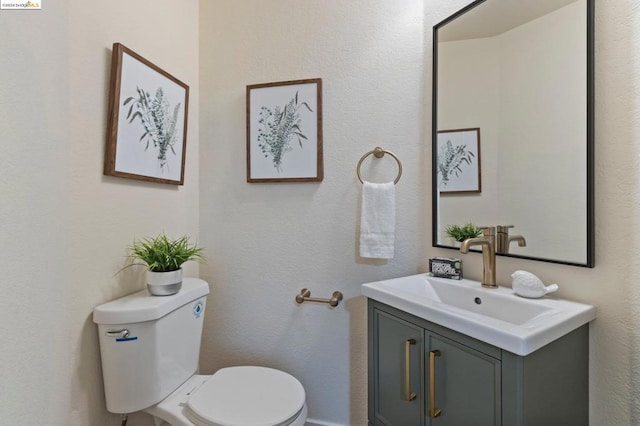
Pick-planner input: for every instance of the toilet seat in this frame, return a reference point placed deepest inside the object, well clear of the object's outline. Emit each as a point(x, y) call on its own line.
point(247, 396)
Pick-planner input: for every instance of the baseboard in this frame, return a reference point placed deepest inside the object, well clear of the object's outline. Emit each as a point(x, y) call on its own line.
point(312, 422)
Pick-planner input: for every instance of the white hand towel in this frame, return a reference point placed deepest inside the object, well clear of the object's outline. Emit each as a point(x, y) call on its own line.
point(378, 220)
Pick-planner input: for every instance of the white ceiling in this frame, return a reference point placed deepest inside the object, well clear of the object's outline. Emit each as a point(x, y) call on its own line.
point(494, 17)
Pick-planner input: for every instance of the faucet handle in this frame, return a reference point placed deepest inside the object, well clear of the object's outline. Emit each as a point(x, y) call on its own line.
point(505, 228)
point(488, 230)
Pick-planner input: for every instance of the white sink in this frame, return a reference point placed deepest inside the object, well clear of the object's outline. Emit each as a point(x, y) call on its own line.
point(496, 316)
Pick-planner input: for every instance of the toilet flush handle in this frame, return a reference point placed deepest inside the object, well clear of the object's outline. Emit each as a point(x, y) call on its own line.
point(122, 334)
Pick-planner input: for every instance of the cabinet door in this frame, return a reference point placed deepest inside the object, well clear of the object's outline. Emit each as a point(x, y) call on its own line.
point(396, 367)
point(462, 383)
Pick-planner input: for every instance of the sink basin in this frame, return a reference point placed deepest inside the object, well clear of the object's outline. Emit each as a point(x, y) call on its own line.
point(496, 316)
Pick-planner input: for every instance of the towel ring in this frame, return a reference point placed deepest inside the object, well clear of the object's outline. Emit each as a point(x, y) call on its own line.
point(379, 153)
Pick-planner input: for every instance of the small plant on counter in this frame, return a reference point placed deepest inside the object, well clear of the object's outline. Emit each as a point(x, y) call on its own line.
point(162, 254)
point(461, 233)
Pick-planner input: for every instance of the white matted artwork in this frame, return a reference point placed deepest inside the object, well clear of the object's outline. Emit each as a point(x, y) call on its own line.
point(284, 131)
point(147, 132)
point(459, 161)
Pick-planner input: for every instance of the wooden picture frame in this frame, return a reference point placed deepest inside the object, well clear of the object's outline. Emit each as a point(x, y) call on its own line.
point(459, 161)
point(284, 131)
point(147, 124)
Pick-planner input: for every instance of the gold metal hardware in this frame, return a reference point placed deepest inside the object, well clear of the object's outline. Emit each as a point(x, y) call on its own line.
point(504, 240)
point(305, 296)
point(408, 395)
point(433, 411)
point(488, 243)
point(379, 153)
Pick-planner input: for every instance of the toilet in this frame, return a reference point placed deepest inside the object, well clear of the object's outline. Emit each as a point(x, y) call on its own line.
point(150, 346)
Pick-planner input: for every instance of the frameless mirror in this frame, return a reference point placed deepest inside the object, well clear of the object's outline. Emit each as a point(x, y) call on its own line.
point(513, 126)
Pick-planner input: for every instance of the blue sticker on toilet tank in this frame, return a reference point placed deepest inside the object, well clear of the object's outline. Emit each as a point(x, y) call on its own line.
point(126, 339)
point(197, 309)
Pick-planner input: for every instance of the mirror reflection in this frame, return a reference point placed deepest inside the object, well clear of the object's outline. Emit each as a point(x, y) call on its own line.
point(512, 144)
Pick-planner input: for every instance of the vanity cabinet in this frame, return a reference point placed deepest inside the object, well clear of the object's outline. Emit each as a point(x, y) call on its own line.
point(421, 373)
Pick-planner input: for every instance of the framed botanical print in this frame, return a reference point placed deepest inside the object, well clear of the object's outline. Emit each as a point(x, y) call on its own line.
point(147, 126)
point(284, 131)
point(459, 161)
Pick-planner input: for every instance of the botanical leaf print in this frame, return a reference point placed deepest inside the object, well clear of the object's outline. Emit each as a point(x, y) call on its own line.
point(157, 119)
point(450, 159)
point(278, 127)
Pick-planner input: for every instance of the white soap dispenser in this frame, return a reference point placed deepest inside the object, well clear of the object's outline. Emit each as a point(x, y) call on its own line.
point(526, 284)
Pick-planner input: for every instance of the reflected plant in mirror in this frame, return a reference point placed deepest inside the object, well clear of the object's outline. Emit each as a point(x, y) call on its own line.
point(463, 232)
point(523, 73)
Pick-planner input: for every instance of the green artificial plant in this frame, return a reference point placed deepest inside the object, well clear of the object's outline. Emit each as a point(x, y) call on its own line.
point(463, 232)
point(162, 254)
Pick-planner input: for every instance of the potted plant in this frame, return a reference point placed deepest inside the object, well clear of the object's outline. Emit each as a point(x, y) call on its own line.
point(164, 258)
point(463, 232)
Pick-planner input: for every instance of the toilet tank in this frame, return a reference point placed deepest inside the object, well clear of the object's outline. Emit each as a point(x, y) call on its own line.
point(149, 345)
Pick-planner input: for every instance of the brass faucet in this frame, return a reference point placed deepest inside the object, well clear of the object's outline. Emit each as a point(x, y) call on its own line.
point(488, 243)
point(504, 240)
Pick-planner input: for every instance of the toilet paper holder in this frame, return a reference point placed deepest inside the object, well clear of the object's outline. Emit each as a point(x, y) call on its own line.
point(305, 296)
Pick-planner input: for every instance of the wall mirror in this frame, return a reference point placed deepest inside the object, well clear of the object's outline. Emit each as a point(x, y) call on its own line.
point(513, 126)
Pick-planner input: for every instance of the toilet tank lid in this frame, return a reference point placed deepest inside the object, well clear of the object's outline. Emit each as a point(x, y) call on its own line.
point(141, 306)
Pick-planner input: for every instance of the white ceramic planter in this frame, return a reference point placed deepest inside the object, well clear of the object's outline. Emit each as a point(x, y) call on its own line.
point(164, 283)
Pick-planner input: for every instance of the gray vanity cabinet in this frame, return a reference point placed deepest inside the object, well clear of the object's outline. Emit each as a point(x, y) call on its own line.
point(398, 358)
point(417, 368)
point(467, 385)
point(466, 381)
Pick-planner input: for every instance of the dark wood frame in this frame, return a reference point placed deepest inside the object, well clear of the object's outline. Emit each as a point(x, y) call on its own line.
point(114, 116)
point(318, 113)
point(470, 191)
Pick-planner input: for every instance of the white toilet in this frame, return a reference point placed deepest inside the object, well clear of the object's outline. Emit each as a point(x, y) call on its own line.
point(150, 347)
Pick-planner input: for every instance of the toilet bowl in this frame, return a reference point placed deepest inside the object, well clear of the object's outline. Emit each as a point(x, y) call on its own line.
point(235, 396)
point(150, 346)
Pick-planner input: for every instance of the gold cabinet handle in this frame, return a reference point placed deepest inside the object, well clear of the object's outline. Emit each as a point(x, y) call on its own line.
point(408, 395)
point(433, 411)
